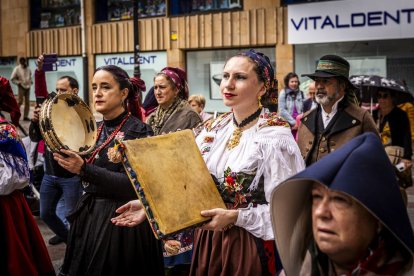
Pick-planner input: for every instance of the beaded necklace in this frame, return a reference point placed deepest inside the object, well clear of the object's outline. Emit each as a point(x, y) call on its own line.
point(95, 153)
point(238, 131)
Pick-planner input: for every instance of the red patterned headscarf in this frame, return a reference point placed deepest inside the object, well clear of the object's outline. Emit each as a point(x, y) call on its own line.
point(179, 78)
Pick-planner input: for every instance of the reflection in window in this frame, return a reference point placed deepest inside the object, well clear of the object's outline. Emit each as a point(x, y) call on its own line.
point(187, 6)
point(54, 13)
point(113, 10)
point(151, 8)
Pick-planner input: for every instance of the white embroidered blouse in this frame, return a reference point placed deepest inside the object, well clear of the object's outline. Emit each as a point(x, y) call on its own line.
point(267, 149)
point(10, 179)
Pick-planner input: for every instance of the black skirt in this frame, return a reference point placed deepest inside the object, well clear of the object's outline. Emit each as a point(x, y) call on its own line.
point(98, 247)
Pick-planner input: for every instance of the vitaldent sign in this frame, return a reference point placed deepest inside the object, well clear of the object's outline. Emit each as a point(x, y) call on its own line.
point(66, 66)
point(350, 20)
point(150, 64)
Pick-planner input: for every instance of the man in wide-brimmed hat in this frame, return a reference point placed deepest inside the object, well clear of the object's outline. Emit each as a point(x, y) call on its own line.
point(338, 118)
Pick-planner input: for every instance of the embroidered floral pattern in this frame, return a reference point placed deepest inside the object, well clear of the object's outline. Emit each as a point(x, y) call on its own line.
point(233, 184)
point(205, 149)
point(208, 139)
point(272, 119)
point(115, 153)
point(8, 132)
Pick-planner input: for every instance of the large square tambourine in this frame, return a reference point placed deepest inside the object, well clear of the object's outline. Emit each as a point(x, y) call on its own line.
point(172, 181)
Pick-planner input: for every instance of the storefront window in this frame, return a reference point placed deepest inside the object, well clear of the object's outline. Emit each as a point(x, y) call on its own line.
point(54, 13)
point(66, 66)
point(112, 10)
point(204, 69)
point(181, 7)
point(389, 58)
point(288, 2)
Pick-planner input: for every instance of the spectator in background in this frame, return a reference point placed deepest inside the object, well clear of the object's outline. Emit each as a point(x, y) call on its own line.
point(198, 102)
point(408, 107)
point(310, 103)
point(394, 125)
point(22, 77)
point(291, 101)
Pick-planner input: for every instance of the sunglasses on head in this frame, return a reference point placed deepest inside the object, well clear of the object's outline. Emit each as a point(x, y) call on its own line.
point(383, 95)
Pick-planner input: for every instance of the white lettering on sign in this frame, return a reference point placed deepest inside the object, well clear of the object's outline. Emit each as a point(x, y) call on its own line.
point(350, 20)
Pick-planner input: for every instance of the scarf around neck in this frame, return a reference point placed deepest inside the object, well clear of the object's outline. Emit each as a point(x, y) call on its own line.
point(162, 115)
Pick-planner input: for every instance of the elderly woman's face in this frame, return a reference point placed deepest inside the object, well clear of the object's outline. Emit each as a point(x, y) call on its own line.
point(240, 86)
point(165, 93)
point(342, 228)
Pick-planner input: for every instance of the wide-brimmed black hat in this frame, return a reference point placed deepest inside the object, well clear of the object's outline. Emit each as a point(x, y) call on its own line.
point(330, 66)
point(335, 66)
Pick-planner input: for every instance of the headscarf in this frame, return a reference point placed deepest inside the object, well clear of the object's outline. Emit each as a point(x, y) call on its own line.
point(179, 78)
point(8, 102)
point(361, 169)
point(266, 74)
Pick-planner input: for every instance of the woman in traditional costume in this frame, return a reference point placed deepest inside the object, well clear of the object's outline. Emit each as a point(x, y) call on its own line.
point(249, 151)
point(172, 114)
point(95, 246)
point(22, 249)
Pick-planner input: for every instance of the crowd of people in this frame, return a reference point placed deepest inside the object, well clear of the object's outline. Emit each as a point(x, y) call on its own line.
point(298, 184)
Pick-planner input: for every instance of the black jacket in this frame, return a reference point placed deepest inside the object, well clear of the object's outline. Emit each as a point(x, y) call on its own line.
point(400, 130)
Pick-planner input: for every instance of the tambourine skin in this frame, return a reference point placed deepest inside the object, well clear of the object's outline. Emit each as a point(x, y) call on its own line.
point(67, 122)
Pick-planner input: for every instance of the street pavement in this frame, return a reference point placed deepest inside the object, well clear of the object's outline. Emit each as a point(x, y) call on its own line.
point(57, 252)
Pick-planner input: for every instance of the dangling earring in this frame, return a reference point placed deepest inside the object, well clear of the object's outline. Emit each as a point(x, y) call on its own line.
point(260, 101)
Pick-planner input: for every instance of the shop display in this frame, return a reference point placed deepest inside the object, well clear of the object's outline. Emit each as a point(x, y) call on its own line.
point(59, 13)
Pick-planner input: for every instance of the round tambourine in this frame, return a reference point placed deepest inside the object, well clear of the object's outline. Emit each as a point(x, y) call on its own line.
point(67, 122)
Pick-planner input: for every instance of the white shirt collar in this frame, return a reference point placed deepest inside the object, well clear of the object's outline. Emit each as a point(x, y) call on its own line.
point(327, 117)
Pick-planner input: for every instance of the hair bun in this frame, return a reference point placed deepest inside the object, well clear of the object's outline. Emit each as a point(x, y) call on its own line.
point(138, 84)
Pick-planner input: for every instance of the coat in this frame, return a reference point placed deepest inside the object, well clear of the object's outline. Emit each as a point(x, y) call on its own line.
point(350, 122)
point(185, 118)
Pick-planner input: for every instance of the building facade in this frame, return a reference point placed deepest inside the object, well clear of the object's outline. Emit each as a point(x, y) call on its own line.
point(195, 35)
point(199, 35)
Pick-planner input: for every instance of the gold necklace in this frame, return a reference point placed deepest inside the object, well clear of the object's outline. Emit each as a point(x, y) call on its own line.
point(238, 131)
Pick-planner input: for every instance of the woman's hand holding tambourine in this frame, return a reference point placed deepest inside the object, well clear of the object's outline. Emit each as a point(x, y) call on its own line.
point(131, 214)
point(72, 162)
